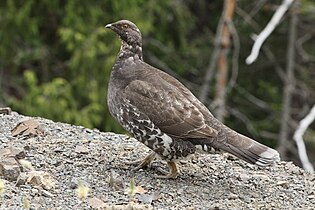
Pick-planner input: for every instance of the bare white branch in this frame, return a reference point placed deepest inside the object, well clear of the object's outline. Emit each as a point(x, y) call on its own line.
point(298, 137)
point(268, 30)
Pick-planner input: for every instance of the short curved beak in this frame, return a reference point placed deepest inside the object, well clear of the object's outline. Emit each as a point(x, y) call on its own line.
point(108, 26)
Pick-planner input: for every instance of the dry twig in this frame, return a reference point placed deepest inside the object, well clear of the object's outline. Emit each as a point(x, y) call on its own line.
point(298, 137)
point(275, 20)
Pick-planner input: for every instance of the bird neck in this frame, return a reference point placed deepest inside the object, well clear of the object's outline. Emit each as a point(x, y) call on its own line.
point(127, 51)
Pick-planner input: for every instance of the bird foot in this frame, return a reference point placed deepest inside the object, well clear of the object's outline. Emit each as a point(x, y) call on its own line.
point(172, 174)
point(142, 163)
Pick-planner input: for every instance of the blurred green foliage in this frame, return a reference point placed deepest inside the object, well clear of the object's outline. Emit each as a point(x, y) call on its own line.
point(56, 56)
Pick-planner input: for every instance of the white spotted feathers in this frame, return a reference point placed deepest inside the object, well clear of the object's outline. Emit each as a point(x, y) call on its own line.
point(164, 115)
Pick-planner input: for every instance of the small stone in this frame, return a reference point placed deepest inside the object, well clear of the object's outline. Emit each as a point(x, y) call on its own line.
point(27, 147)
point(9, 169)
point(28, 127)
point(260, 176)
point(17, 152)
point(116, 181)
point(87, 130)
point(40, 178)
point(283, 183)
point(46, 193)
point(213, 166)
point(5, 110)
point(81, 149)
point(4, 152)
point(69, 161)
point(34, 191)
point(183, 161)
point(232, 196)
point(243, 177)
point(56, 162)
point(59, 149)
point(148, 198)
point(311, 196)
point(73, 184)
point(21, 180)
point(132, 206)
point(249, 200)
point(96, 203)
point(180, 191)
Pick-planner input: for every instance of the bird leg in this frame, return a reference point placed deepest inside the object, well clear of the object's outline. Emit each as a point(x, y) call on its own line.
point(173, 173)
point(143, 163)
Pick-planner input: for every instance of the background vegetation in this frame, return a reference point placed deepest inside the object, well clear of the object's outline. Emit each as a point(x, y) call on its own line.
point(56, 58)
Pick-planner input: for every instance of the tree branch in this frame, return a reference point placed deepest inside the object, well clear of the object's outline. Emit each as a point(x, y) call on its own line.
point(298, 137)
point(253, 99)
point(306, 57)
point(288, 87)
point(269, 54)
point(235, 56)
point(268, 30)
point(213, 61)
point(242, 117)
point(222, 74)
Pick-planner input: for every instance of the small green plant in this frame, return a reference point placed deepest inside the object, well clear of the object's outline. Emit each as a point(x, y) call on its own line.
point(26, 203)
point(132, 188)
point(26, 164)
point(2, 187)
point(82, 190)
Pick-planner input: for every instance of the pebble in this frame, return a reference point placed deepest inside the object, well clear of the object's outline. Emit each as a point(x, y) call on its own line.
point(206, 181)
point(243, 177)
point(283, 183)
point(46, 193)
point(9, 168)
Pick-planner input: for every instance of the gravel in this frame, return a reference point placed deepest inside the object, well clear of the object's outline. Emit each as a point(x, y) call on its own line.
point(73, 154)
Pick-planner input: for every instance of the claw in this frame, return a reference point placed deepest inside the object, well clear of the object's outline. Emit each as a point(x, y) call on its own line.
point(173, 173)
point(142, 163)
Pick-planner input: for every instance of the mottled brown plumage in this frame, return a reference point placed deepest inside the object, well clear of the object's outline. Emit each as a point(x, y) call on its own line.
point(164, 115)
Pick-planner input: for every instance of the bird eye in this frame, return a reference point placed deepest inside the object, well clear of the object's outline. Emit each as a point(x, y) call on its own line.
point(125, 26)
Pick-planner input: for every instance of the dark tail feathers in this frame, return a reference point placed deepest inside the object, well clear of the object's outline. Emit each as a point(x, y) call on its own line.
point(251, 151)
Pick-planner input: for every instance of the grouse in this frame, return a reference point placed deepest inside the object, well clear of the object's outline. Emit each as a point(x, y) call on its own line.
point(164, 115)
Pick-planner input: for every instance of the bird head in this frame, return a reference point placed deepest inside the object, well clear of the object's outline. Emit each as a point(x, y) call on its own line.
point(127, 31)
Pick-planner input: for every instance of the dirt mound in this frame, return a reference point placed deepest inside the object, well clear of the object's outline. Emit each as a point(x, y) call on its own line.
point(72, 167)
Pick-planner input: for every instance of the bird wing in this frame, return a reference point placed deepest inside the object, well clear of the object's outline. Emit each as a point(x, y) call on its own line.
point(168, 108)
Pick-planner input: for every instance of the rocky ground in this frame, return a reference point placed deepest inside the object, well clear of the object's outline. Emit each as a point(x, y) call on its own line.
point(72, 167)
